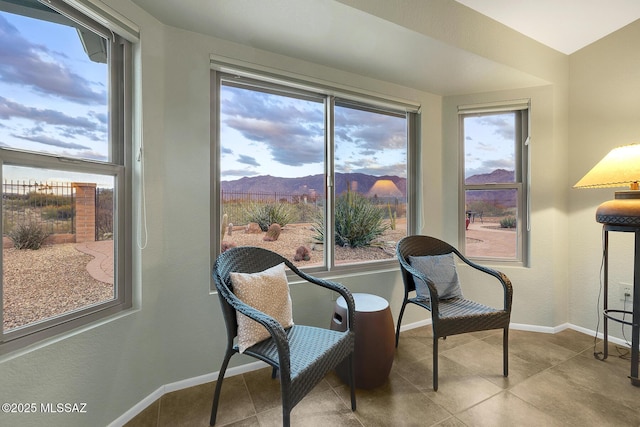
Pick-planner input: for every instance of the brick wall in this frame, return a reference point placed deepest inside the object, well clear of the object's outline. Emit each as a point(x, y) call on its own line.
point(85, 211)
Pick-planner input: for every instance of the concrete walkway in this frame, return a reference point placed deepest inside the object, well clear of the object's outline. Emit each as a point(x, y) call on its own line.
point(101, 266)
point(488, 239)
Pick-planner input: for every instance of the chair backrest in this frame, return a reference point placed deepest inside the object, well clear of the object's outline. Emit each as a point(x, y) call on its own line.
point(419, 246)
point(244, 259)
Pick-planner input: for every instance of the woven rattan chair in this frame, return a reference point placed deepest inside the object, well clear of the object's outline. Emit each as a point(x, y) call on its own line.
point(456, 315)
point(302, 354)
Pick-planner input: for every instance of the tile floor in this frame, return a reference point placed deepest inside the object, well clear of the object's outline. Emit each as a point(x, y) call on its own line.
point(554, 380)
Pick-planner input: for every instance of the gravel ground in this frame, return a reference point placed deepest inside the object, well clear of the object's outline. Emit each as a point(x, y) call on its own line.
point(47, 282)
point(54, 279)
point(295, 235)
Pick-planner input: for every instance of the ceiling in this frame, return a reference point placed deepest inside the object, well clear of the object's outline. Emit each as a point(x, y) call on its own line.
point(336, 35)
point(564, 25)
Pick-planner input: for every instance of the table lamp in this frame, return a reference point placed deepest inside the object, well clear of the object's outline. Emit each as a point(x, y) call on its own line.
point(619, 168)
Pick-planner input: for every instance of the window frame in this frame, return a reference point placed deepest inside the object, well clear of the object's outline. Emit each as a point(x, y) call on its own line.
point(522, 180)
point(333, 94)
point(119, 166)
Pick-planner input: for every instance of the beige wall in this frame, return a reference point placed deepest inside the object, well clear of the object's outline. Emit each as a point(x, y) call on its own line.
point(604, 113)
point(175, 332)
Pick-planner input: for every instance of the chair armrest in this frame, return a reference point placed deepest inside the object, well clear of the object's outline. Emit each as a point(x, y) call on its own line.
point(333, 286)
point(502, 278)
point(419, 275)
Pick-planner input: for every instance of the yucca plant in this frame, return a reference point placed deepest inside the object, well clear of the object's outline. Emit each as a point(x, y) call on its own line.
point(271, 213)
point(358, 221)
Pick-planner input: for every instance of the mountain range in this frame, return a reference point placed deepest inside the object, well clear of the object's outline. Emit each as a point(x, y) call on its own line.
point(310, 184)
point(360, 182)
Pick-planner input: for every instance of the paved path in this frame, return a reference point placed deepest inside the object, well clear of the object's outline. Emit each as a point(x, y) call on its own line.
point(101, 266)
point(486, 239)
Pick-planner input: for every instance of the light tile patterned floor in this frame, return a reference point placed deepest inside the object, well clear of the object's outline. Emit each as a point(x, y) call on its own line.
point(554, 380)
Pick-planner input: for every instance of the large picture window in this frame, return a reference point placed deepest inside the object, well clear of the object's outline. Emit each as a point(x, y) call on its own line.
point(319, 178)
point(64, 159)
point(494, 143)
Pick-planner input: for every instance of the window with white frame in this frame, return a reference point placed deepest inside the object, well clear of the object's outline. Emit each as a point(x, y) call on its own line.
point(494, 147)
point(315, 166)
point(65, 154)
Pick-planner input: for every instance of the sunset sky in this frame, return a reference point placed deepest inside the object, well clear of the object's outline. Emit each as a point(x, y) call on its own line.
point(489, 143)
point(266, 134)
point(53, 99)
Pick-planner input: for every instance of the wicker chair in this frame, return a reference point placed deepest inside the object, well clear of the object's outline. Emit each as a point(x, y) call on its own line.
point(456, 315)
point(302, 354)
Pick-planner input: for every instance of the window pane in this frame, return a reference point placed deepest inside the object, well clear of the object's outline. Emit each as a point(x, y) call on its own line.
point(370, 184)
point(272, 170)
point(71, 215)
point(53, 87)
point(492, 185)
point(489, 148)
point(491, 219)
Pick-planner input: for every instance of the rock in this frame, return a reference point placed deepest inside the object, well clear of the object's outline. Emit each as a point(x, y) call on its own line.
point(252, 228)
point(272, 233)
point(302, 254)
point(226, 245)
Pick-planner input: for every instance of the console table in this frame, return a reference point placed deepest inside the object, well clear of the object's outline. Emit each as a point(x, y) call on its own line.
point(609, 314)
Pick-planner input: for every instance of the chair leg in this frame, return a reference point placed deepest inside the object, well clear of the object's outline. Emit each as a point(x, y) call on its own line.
point(404, 304)
point(216, 395)
point(505, 352)
point(352, 381)
point(435, 363)
point(274, 372)
point(286, 417)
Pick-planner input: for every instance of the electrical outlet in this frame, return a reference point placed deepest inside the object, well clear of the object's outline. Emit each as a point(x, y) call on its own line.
point(626, 292)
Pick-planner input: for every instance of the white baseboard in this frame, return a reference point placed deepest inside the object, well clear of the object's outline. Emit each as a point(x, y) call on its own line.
point(202, 379)
point(180, 385)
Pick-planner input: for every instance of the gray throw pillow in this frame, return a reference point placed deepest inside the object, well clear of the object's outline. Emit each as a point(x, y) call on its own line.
point(441, 270)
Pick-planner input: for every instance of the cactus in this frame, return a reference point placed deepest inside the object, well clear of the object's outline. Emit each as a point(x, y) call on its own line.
point(224, 225)
point(392, 217)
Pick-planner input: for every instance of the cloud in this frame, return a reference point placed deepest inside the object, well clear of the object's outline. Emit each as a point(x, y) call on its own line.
point(238, 172)
point(247, 160)
point(291, 130)
point(10, 110)
point(35, 66)
point(42, 139)
point(368, 130)
point(503, 125)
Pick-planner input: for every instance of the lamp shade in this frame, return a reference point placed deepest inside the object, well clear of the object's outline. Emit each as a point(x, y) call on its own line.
point(619, 168)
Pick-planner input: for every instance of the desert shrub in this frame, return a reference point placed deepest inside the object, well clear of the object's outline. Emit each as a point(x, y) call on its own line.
point(508, 222)
point(358, 221)
point(28, 235)
point(270, 213)
point(58, 213)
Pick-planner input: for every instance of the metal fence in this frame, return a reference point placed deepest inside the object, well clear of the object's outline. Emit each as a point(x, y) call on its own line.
point(237, 204)
point(104, 213)
point(305, 208)
point(50, 204)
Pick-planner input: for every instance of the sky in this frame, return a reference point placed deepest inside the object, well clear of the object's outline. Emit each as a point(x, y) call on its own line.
point(53, 99)
point(269, 134)
point(489, 143)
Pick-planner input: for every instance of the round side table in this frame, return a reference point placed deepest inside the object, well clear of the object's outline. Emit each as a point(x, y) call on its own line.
point(374, 339)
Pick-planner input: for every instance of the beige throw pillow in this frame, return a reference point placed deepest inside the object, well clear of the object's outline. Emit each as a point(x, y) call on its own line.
point(267, 291)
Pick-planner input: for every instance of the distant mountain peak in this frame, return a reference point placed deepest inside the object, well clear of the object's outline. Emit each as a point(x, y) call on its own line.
point(496, 176)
